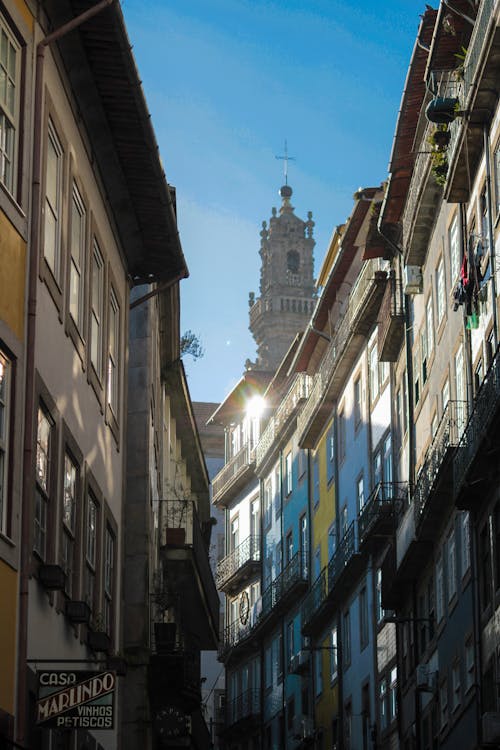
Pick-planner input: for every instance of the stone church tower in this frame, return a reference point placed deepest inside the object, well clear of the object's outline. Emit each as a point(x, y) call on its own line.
point(287, 291)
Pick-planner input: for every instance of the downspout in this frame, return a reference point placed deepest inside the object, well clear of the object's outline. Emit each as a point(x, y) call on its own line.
point(476, 625)
point(491, 238)
point(340, 658)
point(29, 414)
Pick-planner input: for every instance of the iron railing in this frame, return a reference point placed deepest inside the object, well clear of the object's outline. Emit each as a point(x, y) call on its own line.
point(244, 706)
point(386, 497)
point(470, 69)
point(448, 434)
point(315, 597)
point(391, 312)
point(298, 391)
point(486, 405)
point(294, 572)
point(237, 464)
point(246, 552)
point(346, 550)
point(357, 297)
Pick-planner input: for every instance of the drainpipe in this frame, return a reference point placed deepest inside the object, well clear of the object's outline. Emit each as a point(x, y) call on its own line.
point(30, 405)
point(476, 624)
point(491, 238)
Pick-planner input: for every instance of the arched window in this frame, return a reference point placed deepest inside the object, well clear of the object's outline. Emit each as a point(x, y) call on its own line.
point(293, 261)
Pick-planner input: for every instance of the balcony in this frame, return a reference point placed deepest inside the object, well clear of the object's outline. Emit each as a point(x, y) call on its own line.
point(290, 583)
point(276, 429)
point(315, 605)
point(243, 713)
point(377, 521)
point(433, 492)
point(359, 318)
point(174, 679)
point(187, 570)
point(391, 321)
point(474, 455)
point(345, 565)
point(233, 475)
point(237, 635)
point(477, 97)
point(241, 564)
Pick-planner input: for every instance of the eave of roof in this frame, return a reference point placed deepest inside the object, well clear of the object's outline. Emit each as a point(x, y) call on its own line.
point(103, 75)
point(251, 383)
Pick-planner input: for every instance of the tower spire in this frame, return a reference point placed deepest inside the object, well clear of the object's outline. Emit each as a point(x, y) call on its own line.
point(285, 158)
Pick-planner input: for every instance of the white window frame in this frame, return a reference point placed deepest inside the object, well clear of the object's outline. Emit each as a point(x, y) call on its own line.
point(78, 240)
point(113, 352)
point(97, 309)
point(53, 202)
point(91, 544)
point(288, 472)
point(451, 549)
point(10, 70)
point(68, 519)
point(109, 578)
point(429, 321)
point(441, 291)
point(44, 448)
point(454, 243)
point(465, 541)
point(5, 409)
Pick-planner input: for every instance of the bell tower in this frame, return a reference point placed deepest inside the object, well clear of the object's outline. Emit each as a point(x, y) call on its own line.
point(287, 291)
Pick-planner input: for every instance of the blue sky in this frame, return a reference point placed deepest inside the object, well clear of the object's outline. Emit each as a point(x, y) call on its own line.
point(227, 81)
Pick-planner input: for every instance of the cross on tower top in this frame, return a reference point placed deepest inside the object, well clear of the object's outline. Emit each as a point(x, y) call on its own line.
point(285, 158)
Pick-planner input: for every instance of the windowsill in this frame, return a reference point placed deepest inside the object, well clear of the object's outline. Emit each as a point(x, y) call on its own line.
point(4, 538)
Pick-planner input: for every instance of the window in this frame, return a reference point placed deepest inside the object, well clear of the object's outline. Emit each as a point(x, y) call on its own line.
point(330, 454)
point(496, 169)
point(342, 436)
point(109, 579)
point(393, 694)
point(289, 547)
point(465, 541)
point(357, 402)
point(268, 672)
point(363, 618)
point(445, 394)
point(268, 502)
point(9, 105)
point(360, 492)
point(290, 641)
point(348, 726)
point(43, 476)
point(469, 664)
point(91, 553)
point(387, 460)
point(254, 522)
point(443, 703)
point(452, 565)
point(301, 462)
point(379, 612)
point(459, 375)
point(333, 654)
point(77, 268)
point(318, 672)
point(317, 562)
point(377, 468)
point(53, 202)
point(455, 685)
point(343, 521)
point(384, 719)
point(332, 541)
point(454, 242)
point(113, 351)
point(316, 481)
point(485, 566)
point(235, 533)
point(430, 326)
point(423, 355)
point(5, 391)
point(303, 544)
point(69, 520)
point(288, 472)
point(97, 309)
point(478, 376)
point(439, 590)
point(441, 291)
point(373, 366)
point(347, 638)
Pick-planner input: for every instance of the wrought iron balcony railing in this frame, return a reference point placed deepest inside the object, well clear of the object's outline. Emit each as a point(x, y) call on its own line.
point(360, 292)
point(391, 321)
point(348, 547)
point(244, 706)
point(294, 573)
point(386, 502)
point(230, 472)
point(486, 405)
point(448, 434)
point(315, 599)
point(246, 552)
point(297, 393)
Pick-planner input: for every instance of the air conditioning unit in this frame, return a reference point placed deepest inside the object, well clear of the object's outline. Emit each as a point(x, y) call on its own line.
point(412, 280)
point(303, 727)
point(491, 727)
point(426, 680)
point(299, 662)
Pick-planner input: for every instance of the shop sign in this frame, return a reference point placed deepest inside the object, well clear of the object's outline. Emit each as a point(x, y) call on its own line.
point(75, 699)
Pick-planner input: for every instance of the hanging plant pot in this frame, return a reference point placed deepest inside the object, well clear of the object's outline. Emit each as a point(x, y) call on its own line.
point(441, 138)
point(442, 109)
